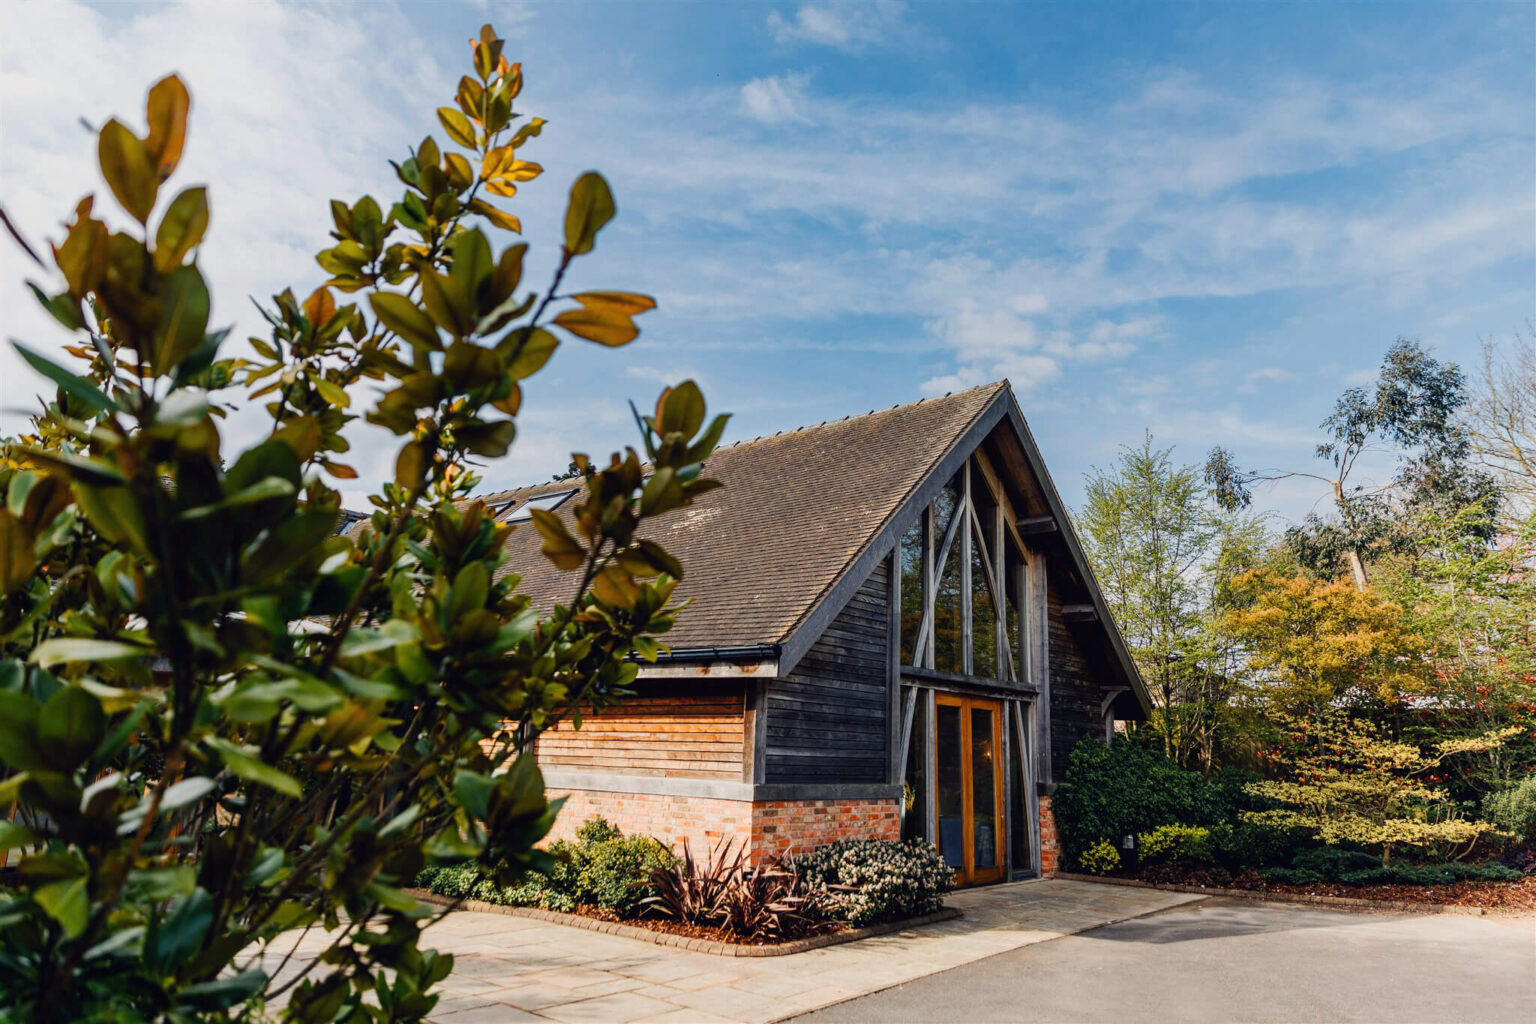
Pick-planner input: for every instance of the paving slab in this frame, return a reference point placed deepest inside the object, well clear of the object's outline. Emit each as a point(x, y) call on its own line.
point(519, 969)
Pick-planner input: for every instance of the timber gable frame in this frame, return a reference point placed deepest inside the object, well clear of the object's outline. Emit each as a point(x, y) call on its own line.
point(805, 618)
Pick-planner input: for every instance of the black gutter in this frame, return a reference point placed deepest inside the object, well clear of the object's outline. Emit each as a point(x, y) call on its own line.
point(746, 652)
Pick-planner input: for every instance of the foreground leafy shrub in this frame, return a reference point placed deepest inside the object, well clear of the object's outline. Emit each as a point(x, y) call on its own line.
point(1175, 844)
point(876, 880)
point(1513, 809)
point(1099, 859)
point(221, 720)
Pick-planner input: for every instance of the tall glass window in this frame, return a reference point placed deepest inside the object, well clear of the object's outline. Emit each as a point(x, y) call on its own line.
point(984, 660)
point(948, 644)
point(912, 596)
point(1012, 579)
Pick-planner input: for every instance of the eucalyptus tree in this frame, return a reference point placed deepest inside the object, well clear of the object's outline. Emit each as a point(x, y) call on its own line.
point(224, 723)
point(1411, 415)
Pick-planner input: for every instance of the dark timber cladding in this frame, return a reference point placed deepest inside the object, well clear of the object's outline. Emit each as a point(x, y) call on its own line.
point(828, 719)
point(1077, 670)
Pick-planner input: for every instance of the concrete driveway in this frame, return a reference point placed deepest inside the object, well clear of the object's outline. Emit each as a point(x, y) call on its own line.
point(1225, 960)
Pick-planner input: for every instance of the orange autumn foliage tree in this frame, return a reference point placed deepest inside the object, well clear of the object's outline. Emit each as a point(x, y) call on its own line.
point(1312, 643)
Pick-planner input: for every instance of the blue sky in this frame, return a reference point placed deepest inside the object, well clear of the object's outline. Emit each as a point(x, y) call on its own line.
point(1203, 220)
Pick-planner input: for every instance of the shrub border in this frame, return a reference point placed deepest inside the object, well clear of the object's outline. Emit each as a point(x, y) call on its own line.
point(714, 948)
point(1339, 902)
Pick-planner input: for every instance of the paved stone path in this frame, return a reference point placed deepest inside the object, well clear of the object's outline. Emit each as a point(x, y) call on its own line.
point(510, 969)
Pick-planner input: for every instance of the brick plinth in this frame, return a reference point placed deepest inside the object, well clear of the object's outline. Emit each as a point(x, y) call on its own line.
point(766, 828)
point(1050, 848)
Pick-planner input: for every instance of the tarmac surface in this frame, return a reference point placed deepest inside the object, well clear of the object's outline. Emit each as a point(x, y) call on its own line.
point(1224, 960)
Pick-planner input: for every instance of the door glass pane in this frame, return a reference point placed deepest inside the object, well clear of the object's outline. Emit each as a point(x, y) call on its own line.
point(983, 788)
point(948, 654)
point(911, 588)
point(1018, 817)
point(949, 783)
point(983, 620)
point(914, 822)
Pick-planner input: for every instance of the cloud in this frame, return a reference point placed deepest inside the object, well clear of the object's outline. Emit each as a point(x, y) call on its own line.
point(290, 106)
point(775, 99)
point(846, 26)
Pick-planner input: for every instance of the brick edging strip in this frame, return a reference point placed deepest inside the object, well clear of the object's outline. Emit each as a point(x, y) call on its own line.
point(631, 931)
point(1341, 902)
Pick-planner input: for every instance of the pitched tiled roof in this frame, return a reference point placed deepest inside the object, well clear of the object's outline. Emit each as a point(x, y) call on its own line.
point(796, 509)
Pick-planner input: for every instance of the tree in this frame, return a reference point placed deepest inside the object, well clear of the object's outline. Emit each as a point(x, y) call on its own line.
point(1501, 419)
point(1163, 554)
point(1344, 780)
point(1472, 604)
point(1411, 413)
point(1312, 644)
point(220, 722)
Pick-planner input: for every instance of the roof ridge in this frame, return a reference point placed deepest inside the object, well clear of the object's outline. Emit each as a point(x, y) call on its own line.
point(997, 385)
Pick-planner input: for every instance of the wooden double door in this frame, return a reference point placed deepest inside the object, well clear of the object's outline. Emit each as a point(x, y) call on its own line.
point(968, 786)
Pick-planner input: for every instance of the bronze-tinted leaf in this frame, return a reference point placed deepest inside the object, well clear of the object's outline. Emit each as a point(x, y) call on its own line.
point(628, 303)
point(500, 218)
point(615, 586)
point(411, 465)
point(129, 169)
point(167, 113)
point(17, 562)
point(320, 307)
point(606, 326)
point(533, 351)
point(83, 254)
point(457, 126)
point(182, 227)
point(591, 207)
point(559, 546)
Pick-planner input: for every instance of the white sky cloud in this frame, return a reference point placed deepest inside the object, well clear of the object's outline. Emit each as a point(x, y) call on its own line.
point(841, 24)
point(775, 99)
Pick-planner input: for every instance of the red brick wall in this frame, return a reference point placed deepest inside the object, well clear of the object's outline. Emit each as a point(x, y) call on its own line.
point(1050, 849)
point(766, 827)
point(779, 826)
point(702, 821)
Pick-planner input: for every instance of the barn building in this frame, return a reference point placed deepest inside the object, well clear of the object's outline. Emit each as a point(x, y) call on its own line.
point(894, 632)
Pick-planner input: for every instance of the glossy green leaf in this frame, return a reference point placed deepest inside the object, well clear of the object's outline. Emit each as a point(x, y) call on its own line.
point(82, 388)
point(68, 902)
point(62, 650)
point(70, 725)
point(398, 313)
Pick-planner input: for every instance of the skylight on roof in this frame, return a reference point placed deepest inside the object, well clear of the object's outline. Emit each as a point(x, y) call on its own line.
point(549, 502)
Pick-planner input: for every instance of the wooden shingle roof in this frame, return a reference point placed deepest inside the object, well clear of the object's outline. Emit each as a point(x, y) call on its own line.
point(796, 511)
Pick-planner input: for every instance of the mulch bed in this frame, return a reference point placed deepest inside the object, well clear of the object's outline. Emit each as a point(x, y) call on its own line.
point(702, 940)
point(695, 931)
point(1517, 895)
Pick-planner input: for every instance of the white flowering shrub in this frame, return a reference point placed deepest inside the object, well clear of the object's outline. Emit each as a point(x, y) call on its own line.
point(876, 880)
